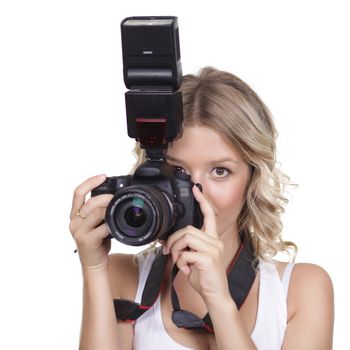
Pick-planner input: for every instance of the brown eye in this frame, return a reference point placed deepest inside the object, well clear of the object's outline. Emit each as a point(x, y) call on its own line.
point(180, 169)
point(221, 172)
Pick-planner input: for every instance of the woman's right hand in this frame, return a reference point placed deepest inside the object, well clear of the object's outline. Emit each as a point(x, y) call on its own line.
point(85, 225)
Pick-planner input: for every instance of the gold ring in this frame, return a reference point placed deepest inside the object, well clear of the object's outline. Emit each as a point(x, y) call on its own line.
point(81, 216)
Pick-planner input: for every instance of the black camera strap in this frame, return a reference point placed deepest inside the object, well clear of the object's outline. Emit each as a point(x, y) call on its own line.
point(128, 310)
point(240, 274)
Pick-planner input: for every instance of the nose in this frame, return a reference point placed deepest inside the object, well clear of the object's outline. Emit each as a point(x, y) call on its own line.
point(197, 179)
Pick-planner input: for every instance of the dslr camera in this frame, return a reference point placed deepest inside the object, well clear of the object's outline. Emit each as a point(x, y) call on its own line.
point(156, 200)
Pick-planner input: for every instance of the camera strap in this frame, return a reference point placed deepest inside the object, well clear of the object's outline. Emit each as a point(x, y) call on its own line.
point(240, 274)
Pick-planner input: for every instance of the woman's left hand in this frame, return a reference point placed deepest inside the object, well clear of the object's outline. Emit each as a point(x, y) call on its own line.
point(204, 262)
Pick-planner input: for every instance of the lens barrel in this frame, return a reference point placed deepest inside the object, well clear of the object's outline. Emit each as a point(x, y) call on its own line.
point(138, 215)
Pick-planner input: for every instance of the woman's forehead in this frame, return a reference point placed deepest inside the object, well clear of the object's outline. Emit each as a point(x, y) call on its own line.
point(204, 142)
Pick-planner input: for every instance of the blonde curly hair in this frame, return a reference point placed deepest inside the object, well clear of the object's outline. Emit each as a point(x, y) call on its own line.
point(223, 102)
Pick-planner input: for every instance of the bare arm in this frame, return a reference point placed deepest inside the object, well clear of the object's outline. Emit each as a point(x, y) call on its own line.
point(101, 286)
point(100, 329)
point(311, 296)
point(99, 325)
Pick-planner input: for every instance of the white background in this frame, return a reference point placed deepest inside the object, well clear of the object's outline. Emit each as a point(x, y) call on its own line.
point(63, 120)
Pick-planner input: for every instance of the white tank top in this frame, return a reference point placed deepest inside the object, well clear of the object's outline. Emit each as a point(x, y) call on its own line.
point(271, 321)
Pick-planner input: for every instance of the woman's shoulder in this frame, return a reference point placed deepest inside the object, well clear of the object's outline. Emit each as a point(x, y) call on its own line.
point(303, 271)
point(310, 291)
point(309, 283)
point(310, 279)
point(313, 271)
point(124, 273)
point(310, 307)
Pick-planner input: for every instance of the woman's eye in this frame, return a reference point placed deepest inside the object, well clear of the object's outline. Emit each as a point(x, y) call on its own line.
point(221, 172)
point(180, 169)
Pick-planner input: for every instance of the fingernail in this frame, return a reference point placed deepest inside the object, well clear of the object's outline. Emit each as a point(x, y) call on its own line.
point(200, 187)
point(165, 250)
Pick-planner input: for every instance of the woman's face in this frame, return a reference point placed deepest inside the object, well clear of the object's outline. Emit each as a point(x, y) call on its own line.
point(217, 166)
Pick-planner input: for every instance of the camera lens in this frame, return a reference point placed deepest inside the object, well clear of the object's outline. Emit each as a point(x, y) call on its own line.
point(135, 216)
point(138, 215)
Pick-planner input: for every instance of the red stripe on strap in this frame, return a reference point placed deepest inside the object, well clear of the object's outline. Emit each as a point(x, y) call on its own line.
point(144, 307)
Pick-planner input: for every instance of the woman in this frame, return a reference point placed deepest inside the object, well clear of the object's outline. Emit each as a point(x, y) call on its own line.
point(228, 146)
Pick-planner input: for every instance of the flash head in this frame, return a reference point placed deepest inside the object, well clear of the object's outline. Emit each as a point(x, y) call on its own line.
point(152, 73)
point(151, 52)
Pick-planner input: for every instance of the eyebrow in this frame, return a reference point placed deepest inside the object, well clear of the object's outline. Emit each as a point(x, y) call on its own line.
point(221, 160)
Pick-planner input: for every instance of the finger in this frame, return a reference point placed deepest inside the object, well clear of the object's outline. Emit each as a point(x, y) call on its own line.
point(187, 229)
point(200, 261)
point(82, 190)
point(192, 242)
point(209, 220)
point(92, 203)
point(98, 234)
point(93, 220)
